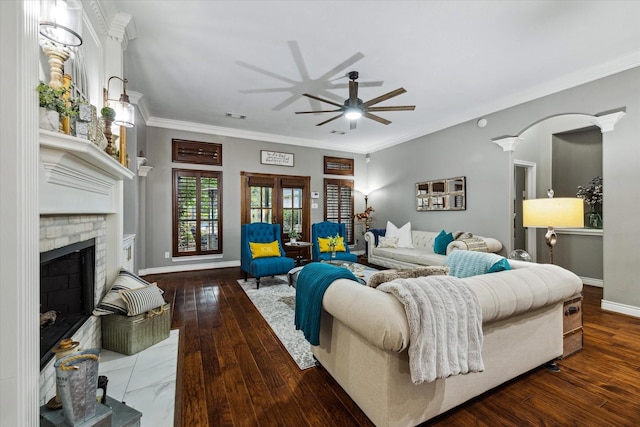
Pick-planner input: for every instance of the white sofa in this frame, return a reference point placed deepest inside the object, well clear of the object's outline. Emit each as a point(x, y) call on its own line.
point(364, 339)
point(422, 252)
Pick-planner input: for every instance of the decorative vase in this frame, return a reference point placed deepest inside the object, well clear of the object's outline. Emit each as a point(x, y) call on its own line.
point(593, 219)
point(333, 252)
point(77, 381)
point(292, 239)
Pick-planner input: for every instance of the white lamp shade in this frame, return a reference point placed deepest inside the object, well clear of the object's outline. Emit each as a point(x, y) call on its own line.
point(553, 212)
point(125, 114)
point(61, 21)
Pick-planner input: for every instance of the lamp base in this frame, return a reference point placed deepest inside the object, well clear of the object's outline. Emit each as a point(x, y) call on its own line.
point(551, 238)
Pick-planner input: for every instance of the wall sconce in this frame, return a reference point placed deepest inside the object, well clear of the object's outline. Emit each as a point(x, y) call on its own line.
point(60, 34)
point(125, 113)
point(550, 213)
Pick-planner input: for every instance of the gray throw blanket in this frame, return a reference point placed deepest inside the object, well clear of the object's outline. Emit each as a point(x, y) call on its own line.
point(445, 326)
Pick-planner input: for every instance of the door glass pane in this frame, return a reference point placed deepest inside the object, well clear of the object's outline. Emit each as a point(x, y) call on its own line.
point(261, 204)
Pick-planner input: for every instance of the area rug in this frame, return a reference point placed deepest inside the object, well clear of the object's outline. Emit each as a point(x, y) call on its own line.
point(276, 301)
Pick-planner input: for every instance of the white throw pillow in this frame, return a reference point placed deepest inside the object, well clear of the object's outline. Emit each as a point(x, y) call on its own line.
point(403, 234)
point(387, 242)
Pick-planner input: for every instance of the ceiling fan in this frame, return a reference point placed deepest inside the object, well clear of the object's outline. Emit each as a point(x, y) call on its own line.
point(353, 108)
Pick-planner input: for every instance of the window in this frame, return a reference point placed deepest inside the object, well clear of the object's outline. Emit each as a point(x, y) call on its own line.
point(197, 212)
point(338, 196)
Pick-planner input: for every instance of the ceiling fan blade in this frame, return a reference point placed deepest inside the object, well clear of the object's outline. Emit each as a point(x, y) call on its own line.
point(331, 119)
point(384, 97)
point(321, 99)
point(319, 111)
point(377, 118)
point(393, 108)
point(353, 124)
point(353, 93)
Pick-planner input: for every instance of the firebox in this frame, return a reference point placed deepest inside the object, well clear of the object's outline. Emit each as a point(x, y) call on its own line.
point(67, 284)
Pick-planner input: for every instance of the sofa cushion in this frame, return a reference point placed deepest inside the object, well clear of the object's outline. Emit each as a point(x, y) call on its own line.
point(112, 302)
point(388, 242)
point(471, 263)
point(441, 242)
point(405, 273)
point(323, 243)
point(261, 250)
point(377, 233)
point(403, 234)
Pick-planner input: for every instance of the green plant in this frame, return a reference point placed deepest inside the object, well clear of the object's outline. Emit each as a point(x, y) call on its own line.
point(52, 99)
point(293, 234)
point(108, 112)
point(333, 241)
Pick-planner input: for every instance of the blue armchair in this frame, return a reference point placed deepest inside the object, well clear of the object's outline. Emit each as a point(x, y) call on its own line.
point(326, 229)
point(262, 232)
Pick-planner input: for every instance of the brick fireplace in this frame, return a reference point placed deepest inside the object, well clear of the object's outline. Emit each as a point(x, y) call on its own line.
point(81, 200)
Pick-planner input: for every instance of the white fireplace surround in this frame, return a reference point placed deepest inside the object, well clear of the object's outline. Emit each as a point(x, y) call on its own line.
point(80, 197)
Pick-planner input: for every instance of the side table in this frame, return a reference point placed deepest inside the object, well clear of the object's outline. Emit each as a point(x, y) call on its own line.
point(298, 246)
point(572, 332)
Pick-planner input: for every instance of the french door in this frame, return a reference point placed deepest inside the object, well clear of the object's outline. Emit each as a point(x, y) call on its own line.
point(277, 199)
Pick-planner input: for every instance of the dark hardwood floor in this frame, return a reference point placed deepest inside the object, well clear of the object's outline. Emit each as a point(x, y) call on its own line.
point(233, 371)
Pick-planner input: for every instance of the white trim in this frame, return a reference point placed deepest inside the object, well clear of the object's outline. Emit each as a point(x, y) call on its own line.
point(607, 122)
point(592, 282)
point(196, 258)
point(508, 143)
point(190, 267)
point(616, 307)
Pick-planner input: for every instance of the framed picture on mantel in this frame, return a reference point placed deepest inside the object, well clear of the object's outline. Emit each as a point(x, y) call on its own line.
point(276, 158)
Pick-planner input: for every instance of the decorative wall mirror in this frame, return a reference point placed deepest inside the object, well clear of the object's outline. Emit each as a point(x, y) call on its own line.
point(441, 195)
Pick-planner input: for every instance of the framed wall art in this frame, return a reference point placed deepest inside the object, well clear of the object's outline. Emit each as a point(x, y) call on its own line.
point(276, 158)
point(441, 195)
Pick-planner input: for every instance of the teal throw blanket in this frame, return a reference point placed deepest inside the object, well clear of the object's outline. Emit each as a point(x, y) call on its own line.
point(313, 281)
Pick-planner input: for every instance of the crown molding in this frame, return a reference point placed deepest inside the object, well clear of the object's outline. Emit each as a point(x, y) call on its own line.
point(243, 134)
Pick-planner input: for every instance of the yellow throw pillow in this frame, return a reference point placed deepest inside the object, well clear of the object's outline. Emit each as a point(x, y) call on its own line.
point(324, 244)
point(261, 250)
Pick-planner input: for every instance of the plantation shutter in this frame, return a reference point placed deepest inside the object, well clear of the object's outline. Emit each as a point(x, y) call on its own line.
point(339, 204)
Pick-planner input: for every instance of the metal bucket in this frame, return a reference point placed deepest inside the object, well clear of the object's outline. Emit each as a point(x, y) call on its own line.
point(77, 380)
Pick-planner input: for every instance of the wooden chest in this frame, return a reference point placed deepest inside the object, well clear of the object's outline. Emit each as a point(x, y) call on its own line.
point(572, 326)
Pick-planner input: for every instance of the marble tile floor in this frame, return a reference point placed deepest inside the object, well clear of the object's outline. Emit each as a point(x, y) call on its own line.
point(145, 381)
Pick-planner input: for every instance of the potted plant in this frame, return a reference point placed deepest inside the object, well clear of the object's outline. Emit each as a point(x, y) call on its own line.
point(108, 113)
point(293, 235)
point(333, 242)
point(592, 195)
point(52, 106)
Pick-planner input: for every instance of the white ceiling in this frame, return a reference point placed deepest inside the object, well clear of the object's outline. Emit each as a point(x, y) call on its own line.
point(194, 61)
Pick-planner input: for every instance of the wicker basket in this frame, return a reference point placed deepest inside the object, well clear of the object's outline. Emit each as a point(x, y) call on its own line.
point(132, 334)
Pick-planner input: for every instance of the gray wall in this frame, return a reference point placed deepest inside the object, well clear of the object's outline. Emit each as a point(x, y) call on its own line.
point(467, 150)
point(237, 155)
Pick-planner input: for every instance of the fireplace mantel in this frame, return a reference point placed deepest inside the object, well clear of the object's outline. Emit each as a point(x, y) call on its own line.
point(76, 177)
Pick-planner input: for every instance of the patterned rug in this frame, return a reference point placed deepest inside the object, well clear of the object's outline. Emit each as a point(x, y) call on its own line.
point(276, 301)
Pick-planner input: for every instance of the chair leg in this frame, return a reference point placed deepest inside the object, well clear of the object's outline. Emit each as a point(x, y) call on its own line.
point(245, 276)
point(257, 283)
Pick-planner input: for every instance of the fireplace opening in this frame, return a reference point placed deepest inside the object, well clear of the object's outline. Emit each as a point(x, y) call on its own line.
point(67, 287)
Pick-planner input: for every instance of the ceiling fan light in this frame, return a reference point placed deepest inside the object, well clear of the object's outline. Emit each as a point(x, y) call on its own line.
point(353, 113)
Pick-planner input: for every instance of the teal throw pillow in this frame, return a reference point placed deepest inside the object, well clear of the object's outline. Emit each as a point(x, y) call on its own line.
point(501, 265)
point(441, 242)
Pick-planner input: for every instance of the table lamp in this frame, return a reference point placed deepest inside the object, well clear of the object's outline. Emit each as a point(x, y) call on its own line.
point(551, 213)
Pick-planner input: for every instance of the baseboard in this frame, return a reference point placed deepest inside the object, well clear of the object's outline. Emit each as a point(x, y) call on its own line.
point(616, 307)
point(592, 282)
point(187, 267)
